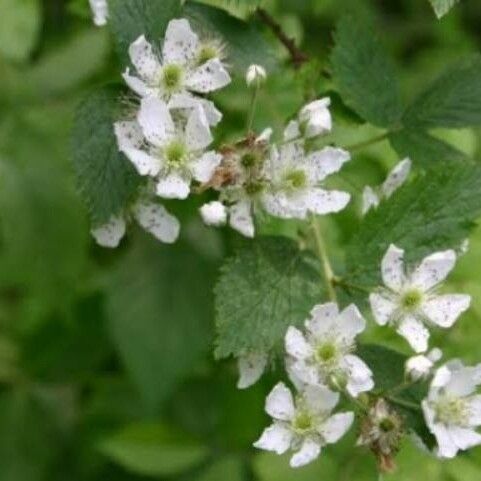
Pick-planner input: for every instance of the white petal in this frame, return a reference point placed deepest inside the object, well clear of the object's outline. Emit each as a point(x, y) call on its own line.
point(251, 367)
point(100, 11)
point(463, 381)
point(214, 213)
point(382, 308)
point(241, 219)
point(359, 375)
point(320, 201)
point(325, 162)
point(292, 131)
point(156, 122)
point(265, 136)
point(309, 451)
point(392, 268)
point(350, 322)
point(316, 117)
point(197, 131)
point(444, 310)
point(304, 373)
point(415, 333)
point(441, 377)
point(279, 403)
point(180, 43)
point(435, 354)
point(323, 317)
point(155, 219)
point(276, 438)
point(320, 399)
point(136, 84)
point(464, 438)
point(129, 134)
point(446, 447)
point(475, 410)
point(396, 178)
point(208, 77)
point(279, 204)
point(418, 367)
point(204, 167)
point(110, 234)
point(336, 426)
point(143, 58)
point(143, 162)
point(369, 200)
point(186, 100)
point(296, 345)
point(173, 186)
point(433, 269)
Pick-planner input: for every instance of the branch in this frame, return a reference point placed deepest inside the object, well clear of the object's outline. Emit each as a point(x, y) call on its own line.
point(298, 57)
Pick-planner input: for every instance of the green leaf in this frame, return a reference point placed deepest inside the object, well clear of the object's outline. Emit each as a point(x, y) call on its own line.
point(244, 43)
point(106, 179)
point(442, 7)
point(424, 149)
point(435, 211)
point(153, 450)
point(20, 23)
point(453, 100)
point(131, 18)
point(160, 310)
point(266, 287)
point(364, 73)
point(230, 468)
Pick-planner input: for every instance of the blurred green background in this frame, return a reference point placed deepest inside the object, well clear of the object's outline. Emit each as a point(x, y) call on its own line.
point(106, 363)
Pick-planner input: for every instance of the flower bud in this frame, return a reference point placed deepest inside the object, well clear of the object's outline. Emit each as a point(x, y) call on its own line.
point(214, 213)
point(100, 11)
point(419, 367)
point(315, 118)
point(255, 75)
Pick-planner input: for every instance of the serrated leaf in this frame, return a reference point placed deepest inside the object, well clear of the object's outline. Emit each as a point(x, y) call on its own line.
point(106, 180)
point(453, 100)
point(266, 287)
point(434, 212)
point(153, 450)
point(364, 73)
point(129, 19)
point(245, 45)
point(424, 149)
point(442, 7)
point(160, 311)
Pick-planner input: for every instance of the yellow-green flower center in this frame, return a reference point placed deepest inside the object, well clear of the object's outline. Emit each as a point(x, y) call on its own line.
point(386, 425)
point(452, 411)
point(411, 299)
point(295, 179)
point(172, 77)
point(175, 153)
point(302, 422)
point(206, 53)
point(249, 159)
point(326, 352)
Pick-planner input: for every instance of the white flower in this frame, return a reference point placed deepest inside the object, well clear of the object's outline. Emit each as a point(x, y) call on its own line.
point(255, 75)
point(396, 178)
point(185, 68)
point(100, 11)
point(153, 217)
point(420, 366)
point(294, 178)
point(315, 118)
point(214, 213)
point(171, 154)
point(251, 367)
point(409, 300)
point(304, 425)
point(452, 410)
point(323, 355)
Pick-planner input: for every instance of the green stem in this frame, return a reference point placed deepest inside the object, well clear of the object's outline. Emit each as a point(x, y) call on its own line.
point(252, 108)
point(324, 258)
point(348, 285)
point(367, 143)
point(404, 403)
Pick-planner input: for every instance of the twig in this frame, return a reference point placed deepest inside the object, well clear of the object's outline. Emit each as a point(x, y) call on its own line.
point(298, 57)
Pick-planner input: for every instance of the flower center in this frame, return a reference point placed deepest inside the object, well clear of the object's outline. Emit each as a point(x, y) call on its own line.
point(302, 422)
point(250, 159)
point(253, 188)
point(296, 179)
point(172, 77)
point(411, 299)
point(386, 425)
point(175, 153)
point(452, 411)
point(206, 53)
point(326, 352)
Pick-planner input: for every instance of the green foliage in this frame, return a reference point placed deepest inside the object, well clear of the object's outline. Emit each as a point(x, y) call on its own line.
point(266, 287)
point(230, 468)
point(105, 178)
point(452, 101)
point(153, 450)
point(158, 298)
point(435, 211)
point(364, 74)
point(442, 7)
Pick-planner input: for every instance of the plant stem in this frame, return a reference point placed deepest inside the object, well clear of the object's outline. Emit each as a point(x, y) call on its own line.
point(348, 285)
point(404, 403)
point(324, 258)
point(252, 108)
point(367, 143)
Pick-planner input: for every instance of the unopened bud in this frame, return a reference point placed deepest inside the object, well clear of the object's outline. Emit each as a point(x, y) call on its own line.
point(255, 75)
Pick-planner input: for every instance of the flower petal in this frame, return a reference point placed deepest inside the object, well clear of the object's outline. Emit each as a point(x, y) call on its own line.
point(156, 220)
point(204, 167)
point(350, 323)
point(185, 100)
point(336, 426)
point(369, 200)
point(433, 269)
point(129, 134)
point(304, 373)
point(463, 381)
point(251, 367)
point(173, 186)
point(280, 404)
point(309, 451)
point(241, 219)
point(415, 333)
point(180, 43)
point(279, 204)
point(444, 310)
point(155, 120)
point(197, 131)
point(143, 58)
point(296, 344)
point(136, 84)
point(214, 213)
point(464, 438)
point(396, 178)
point(392, 268)
point(323, 317)
point(446, 447)
point(111, 233)
point(143, 162)
point(320, 399)
point(320, 201)
point(316, 117)
point(382, 308)
point(475, 410)
point(325, 162)
point(208, 77)
point(292, 131)
point(276, 438)
point(359, 375)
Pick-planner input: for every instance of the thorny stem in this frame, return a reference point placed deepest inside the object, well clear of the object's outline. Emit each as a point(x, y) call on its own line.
point(298, 57)
point(367, 143)
point(324, 258)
